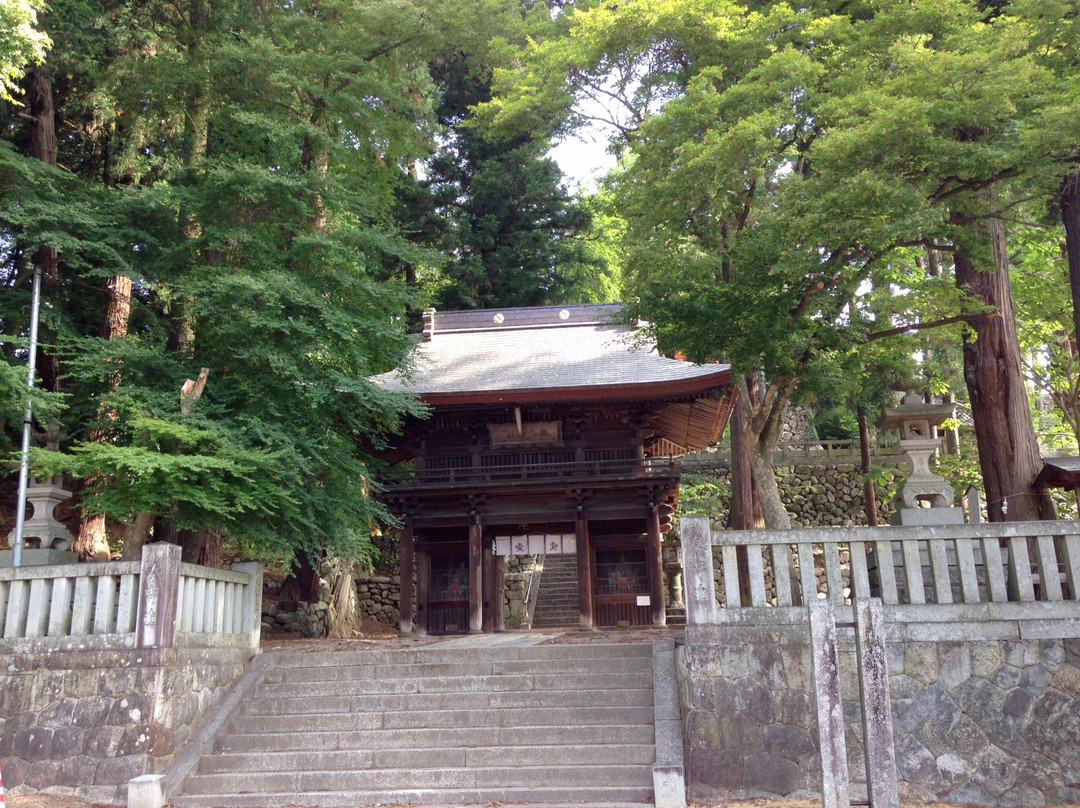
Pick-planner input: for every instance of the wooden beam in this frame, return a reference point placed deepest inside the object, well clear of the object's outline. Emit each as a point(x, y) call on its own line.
point(476, 576)
point(655, 562)
point(487, 566)
point(405, 624)
point(586, 619)
point(497, 585)
point(423, 584)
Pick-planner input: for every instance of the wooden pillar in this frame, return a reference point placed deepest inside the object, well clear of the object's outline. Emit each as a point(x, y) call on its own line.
point(405, 624)
point(488, 576)
point(476, 575)
point(584, 573)
point(423, 584)
point(499, 564)
point(655, 562)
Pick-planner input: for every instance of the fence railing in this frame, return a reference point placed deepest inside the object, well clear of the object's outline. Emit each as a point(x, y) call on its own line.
point(449, 472)
point(1008, 579)
point(797, 452)
point(157, 602)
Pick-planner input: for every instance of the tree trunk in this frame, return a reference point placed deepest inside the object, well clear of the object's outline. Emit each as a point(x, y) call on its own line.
point(343, 597)
point(43, 147)
point(761, 433)
point(135, 536)
point(302, 583)
point(1070, 218)
point(868, 484)
point(92, 542)
point(742, 478)
point(191, 542)
point(1008, 451)
point(210, 549)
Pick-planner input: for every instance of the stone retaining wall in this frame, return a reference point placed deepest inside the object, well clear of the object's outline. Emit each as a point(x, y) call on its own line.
point(86, 722)
point(816, 495)
point(991, 722)
point(378, 597)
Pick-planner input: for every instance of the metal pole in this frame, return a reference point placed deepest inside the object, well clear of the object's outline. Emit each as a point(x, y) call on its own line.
point(24, 462)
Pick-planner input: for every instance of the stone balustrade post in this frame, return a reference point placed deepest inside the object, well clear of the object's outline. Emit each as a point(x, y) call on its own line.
point(159, 594)
point(698, 570)
point(252, 620)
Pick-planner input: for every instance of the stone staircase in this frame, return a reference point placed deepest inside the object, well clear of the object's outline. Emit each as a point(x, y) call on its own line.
point(557, 600)
point(454, 723)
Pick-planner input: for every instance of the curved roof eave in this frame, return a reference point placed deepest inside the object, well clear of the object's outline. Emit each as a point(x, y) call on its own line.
point(696, 385)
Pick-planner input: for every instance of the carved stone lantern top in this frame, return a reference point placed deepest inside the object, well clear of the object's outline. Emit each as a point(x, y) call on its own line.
point(915, 418)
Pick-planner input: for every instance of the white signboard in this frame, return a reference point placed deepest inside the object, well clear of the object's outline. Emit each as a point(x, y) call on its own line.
point(644, 600)
point(536, 544)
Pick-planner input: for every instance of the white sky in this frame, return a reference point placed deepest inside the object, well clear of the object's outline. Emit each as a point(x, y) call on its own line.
point(583, 158)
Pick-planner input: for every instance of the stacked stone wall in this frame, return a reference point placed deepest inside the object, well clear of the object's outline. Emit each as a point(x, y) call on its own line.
point(86, 722)
point(818, 495)
point(990, 722)
point(377, 597)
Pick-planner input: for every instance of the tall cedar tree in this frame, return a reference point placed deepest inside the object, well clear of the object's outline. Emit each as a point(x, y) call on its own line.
point(496, 206)
point(237, 163)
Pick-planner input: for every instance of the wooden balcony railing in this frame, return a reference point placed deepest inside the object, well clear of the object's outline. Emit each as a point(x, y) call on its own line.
point(441, 472)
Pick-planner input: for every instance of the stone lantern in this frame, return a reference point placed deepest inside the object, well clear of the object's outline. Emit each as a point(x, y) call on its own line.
point(927, 497)
point(46, 538)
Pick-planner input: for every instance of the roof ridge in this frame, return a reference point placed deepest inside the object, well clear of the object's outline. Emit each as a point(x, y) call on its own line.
point(521, 318)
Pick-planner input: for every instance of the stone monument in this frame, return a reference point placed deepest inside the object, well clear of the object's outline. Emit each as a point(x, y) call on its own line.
point(927, 497)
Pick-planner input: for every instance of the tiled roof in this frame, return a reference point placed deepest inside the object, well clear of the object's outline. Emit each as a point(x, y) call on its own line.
point(558, 348)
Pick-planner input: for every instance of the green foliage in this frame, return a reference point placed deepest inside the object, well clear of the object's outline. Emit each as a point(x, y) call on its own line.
point(703, 493)
point(1044, 326)
point(45, 406)
point(959, 471)
point(239, 164)
point(797, 176)
point(886, 480)
point(211, 482)
point(21, 43)
point(836, 422)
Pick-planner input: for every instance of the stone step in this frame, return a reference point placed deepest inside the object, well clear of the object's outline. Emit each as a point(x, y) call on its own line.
point(556, 618)
point(436, 652)
point(557, 621)
point(532, 797)
point(514, 683)
point(539, 716)
point(396, 672)
point(558, 605)
point(443, 725)
point(427, 737)
point(562, 617)
point(442, 757)
point(570, 596)
point(292, 698)
point(301, 781)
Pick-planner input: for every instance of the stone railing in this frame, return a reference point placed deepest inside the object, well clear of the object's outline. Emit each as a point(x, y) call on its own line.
point(154, 603)
point(788, 453)
point(935, 581)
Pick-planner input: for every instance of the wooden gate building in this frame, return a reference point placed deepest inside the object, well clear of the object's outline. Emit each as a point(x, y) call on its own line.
point(551, 430)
